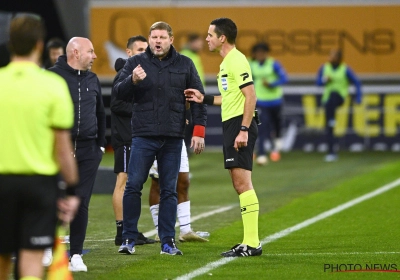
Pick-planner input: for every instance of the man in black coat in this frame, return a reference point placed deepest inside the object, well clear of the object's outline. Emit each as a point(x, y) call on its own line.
point(156, 80)
point(88, 133)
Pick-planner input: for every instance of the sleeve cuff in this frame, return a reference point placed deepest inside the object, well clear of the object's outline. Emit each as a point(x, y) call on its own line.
point(199, 131)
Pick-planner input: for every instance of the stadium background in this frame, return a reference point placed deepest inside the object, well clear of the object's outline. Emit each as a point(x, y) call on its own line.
point(301, 36)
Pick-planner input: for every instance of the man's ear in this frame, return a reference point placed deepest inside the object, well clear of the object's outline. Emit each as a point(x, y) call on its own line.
point(76, 53)
point(222, 38)
point(172, 39)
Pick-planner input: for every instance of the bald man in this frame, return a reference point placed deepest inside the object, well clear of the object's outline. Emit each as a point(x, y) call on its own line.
point(88, 133)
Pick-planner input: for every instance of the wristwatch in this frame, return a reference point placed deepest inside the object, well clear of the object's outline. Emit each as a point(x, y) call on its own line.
point(244, 128)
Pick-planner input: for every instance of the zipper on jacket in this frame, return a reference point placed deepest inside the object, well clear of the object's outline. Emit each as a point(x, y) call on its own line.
point(79, 110)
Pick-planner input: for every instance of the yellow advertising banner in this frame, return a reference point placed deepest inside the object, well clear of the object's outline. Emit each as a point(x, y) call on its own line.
point(300, 37)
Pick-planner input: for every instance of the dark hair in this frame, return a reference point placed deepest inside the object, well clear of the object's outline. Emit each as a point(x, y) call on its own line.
point(134, 39)
point(225, 26)
point(55, 43)
point(25, 31)
point(262, 46)
point(192, 37)
point(339, 54)
point(161, 25)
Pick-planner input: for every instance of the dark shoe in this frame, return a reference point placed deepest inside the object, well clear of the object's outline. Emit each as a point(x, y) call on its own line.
point(118, 240)
point(128, 247)
point(141, 240)
point(243, 250)
point(169, 248)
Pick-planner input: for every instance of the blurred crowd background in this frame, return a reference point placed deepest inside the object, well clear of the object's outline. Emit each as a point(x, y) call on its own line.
point(300, 34)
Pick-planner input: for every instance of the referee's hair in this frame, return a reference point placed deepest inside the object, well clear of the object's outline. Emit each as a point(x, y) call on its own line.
point(25, 31)
point(225, 26)
point(134, 39)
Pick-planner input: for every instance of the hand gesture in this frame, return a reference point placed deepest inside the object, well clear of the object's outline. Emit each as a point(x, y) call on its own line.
point(193, 95)
point(138, 74)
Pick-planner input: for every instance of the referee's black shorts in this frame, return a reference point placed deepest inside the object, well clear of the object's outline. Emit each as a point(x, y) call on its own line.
point(244, 157)
point(121, 158)
point(28, 212)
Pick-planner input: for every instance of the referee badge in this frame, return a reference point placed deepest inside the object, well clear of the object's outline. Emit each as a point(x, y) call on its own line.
point(224, 82)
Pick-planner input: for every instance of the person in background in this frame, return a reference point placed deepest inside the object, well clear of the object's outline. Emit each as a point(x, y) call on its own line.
point(54, 48)
point(4, 55)
point(239, 128)
point(268, 76)
point(191, 49)
point(193, 46)
point(335, 76)
point(35, 148)
point(156, 80)
point(88, 133)
point(121, 139)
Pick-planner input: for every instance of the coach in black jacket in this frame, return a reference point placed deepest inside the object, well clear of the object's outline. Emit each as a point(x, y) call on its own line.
point(88, 133)
point(156, 80)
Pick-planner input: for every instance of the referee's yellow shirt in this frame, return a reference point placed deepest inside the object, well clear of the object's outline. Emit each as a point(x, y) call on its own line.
point(33, 102)
point(234, 74)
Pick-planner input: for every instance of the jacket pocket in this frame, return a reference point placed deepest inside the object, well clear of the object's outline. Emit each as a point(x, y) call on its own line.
point(177, 115)
point(142, 114)
point(178, 77)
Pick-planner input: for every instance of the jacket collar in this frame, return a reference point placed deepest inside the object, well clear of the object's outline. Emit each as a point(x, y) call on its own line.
point(62, 63)
point(172, 54)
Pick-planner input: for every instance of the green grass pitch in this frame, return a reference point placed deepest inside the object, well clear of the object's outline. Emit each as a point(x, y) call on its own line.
point(291, 191)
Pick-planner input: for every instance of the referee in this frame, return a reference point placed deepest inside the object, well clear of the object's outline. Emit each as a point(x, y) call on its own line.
point(240, 131)
point(36, 112)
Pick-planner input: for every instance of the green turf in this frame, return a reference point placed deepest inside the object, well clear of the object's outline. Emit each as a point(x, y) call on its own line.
point(298, 187)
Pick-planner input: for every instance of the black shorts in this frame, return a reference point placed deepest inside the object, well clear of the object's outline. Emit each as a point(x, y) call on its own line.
point(28, 212)
point(244, 157)
point(121, 158)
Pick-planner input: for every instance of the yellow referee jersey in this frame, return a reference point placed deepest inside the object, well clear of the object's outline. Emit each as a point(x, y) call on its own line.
point(234, 74)
point(33, 102)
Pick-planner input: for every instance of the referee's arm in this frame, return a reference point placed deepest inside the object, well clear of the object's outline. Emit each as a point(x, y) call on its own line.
point(249, 104)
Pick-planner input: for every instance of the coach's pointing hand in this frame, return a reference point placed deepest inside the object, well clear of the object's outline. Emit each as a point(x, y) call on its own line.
point(138, 74)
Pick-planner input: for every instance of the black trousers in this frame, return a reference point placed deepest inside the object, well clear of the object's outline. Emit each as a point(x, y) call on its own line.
point(271, 119)
point(88, 159)
point(335, 100)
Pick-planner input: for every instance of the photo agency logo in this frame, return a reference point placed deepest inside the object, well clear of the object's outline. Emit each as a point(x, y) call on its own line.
point(357, 267)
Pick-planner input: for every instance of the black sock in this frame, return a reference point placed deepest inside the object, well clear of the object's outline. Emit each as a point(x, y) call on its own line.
point(120, 226)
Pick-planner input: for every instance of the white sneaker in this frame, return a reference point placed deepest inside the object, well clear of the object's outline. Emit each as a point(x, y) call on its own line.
point(262, 160)
point(47, 257)
point(191, 236)
point(76, 264)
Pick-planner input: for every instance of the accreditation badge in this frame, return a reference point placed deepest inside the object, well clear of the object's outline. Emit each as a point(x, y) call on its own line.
point(224, 82)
